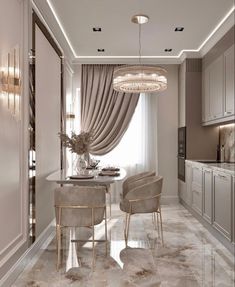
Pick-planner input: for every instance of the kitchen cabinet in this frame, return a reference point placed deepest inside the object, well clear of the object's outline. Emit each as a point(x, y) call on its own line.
point(233, 217)
point(197, 188)
point(185, 187)
point(222, 203)
point(229, 82)
point(210, 196)
point(207, 194)
point(218, 89)
point(213, 91)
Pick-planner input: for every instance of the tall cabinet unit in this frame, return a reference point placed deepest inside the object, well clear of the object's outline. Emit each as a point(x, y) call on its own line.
point(201, 141)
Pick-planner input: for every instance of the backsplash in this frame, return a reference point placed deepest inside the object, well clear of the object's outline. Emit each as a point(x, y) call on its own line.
point(227, 138)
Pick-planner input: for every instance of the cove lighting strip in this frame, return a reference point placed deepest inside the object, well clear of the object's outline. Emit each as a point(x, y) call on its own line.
point(136, 57)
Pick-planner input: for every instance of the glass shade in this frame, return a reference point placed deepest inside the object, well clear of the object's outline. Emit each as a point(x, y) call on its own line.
point(139, 79)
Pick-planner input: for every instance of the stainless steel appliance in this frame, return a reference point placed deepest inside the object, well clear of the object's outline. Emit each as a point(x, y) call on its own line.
point(181, 152)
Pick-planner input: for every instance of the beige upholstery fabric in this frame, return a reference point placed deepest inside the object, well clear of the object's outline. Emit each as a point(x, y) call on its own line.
point(145, 189)
point(103, 110)
point(127, 183)
point(80, 196)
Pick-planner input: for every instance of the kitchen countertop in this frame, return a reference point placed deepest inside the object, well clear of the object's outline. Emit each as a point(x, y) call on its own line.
point(223, 167)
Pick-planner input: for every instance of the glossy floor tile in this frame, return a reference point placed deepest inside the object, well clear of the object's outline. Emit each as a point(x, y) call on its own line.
point(190, 257)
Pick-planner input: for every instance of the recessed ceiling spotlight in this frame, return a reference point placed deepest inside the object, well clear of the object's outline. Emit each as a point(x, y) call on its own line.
point(179, 29)
point(96, 29)
point(168, 50)
point(100, 50)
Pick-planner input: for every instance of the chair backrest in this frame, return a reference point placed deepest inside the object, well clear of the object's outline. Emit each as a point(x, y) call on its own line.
point(149, 191)
point(78, 203)
point(133, 178)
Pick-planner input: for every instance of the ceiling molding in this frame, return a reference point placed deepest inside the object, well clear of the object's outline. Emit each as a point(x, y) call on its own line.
point(126, 60)
point(218, 32)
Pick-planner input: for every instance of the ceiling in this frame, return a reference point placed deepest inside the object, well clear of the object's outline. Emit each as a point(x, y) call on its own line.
point(119, 36)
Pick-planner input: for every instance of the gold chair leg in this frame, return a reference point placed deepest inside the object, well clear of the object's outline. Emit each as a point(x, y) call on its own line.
point(161, 226)
point(106, 238)
point(158, 226)
point(154, 220)
point(110, 204)
point(128, 227)
point(58, 246)
point(93, 240)
point(125, 225)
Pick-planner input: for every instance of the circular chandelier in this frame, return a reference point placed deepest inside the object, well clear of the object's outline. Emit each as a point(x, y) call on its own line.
point(139, 78)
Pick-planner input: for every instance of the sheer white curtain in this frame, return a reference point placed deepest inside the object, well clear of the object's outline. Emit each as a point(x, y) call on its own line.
point(137, 150)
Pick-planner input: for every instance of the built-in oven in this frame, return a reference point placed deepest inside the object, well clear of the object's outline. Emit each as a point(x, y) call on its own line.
point(181, 152)
point(181, 168)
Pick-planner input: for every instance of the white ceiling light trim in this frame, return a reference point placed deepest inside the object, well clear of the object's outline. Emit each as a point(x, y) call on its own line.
point(45, 23)
point(62, 28)
point(231, 11)
point(210, 35)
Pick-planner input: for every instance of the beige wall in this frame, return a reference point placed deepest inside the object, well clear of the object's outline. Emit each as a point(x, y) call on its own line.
point(48, 124)
point(167, 127)
point(13, 191)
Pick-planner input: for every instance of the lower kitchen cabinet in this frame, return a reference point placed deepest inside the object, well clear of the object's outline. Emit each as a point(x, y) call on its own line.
point(222, 203)
point(210, 195)
point(233, 217)
point(197, 189)
point(207, 194)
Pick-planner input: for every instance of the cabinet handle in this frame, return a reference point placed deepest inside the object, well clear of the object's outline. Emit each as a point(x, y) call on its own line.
point(228, 113)
point(222, 176)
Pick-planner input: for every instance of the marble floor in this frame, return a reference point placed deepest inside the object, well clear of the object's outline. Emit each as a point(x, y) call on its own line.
point(190, 257)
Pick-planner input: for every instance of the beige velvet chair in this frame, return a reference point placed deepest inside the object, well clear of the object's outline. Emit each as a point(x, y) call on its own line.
point(143, 196)
point(133, 178)
point(79, 206)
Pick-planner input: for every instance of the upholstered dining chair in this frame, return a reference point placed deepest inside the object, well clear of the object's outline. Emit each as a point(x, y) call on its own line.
point(79, 206)
point(127, 182)
point(143, 196)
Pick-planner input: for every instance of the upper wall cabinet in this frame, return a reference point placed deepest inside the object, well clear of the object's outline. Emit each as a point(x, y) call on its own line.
point(218, 89)
point(229, 82)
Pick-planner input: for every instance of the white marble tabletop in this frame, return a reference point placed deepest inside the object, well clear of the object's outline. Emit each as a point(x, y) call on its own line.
point(63, 177)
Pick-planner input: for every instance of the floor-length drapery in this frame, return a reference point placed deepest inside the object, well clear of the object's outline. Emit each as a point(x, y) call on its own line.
point(137, 151)
point(104, 111)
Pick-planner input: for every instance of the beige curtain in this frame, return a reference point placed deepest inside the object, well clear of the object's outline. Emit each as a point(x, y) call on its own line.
point(103, 110)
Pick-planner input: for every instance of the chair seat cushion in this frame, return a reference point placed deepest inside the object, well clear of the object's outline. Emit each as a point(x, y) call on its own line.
point(146, 206)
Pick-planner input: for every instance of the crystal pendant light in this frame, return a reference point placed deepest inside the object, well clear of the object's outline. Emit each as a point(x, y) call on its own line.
point(139, 78)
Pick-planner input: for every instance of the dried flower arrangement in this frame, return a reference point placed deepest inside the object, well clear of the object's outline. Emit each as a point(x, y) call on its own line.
point(79, 144)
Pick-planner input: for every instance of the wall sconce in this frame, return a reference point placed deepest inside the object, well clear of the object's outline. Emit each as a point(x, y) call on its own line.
point(10, 80)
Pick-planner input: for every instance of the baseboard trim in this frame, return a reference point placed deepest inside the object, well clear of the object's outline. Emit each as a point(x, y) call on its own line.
point(169, 199)
point(42, 242)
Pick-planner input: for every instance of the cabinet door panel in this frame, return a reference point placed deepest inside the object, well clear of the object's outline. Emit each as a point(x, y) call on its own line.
point(216, 88)
point(229, 82)
point(207, 194)
point(206, 116)
point(197, 189)
point(222, 203)
point(188, 173)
